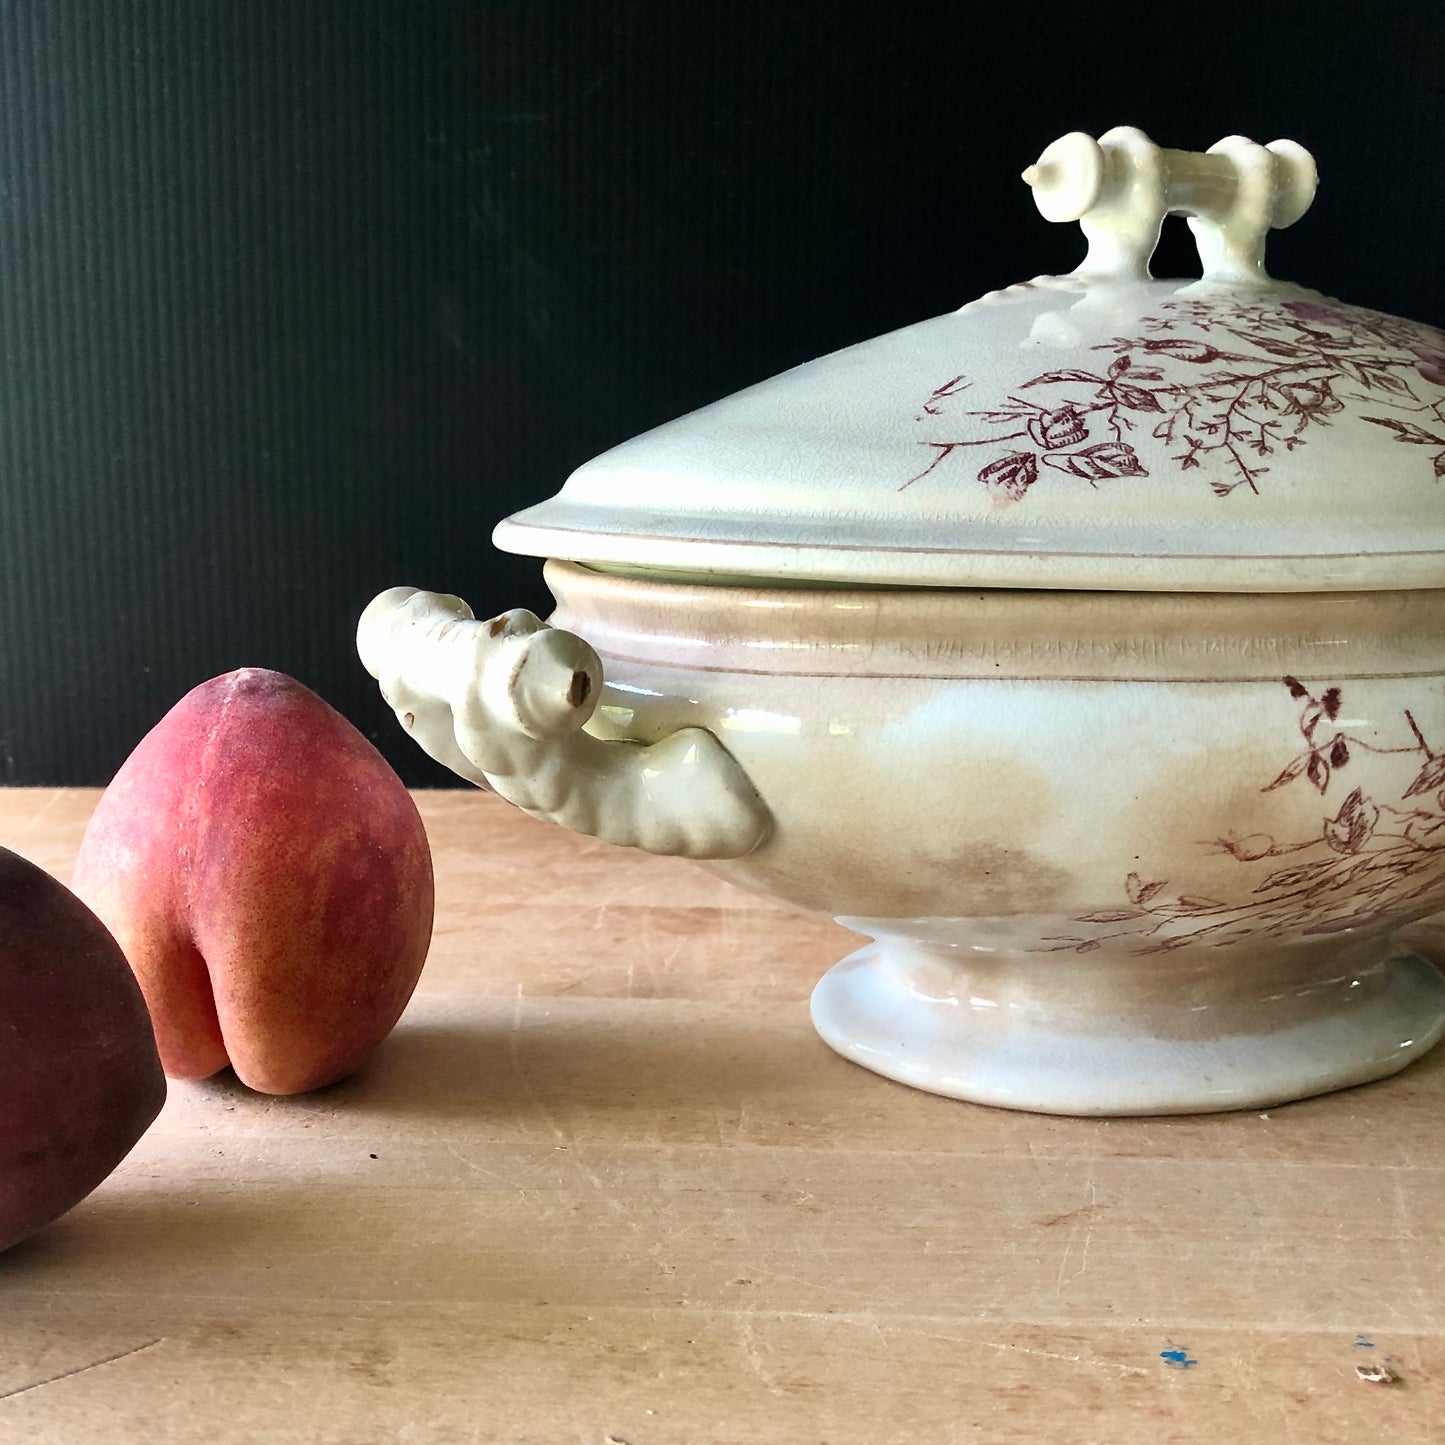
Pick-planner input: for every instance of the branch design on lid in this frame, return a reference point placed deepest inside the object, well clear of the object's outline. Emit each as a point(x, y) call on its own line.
point(1224, 385)
point(1374, 857)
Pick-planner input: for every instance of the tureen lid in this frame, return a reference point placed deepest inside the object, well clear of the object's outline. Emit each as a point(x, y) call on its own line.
point(1097, 430)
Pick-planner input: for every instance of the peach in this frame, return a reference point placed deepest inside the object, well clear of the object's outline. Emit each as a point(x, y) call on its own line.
point(268, 877)
point(80, 1080)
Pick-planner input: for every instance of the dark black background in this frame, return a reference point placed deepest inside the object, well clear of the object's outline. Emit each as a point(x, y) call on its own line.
point(297, 297)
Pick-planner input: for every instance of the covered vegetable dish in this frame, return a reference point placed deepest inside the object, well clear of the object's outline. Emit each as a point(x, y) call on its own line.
point(1083, 648)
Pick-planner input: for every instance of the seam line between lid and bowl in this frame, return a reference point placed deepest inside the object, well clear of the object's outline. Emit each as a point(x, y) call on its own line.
point(978, 675)
point(811, 546)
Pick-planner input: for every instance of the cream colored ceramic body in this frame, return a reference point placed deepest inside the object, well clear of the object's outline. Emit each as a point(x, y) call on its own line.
point(1143, 847)
point(1119, 855)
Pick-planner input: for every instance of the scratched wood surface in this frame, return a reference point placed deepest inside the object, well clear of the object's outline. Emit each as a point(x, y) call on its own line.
point(603, 1184)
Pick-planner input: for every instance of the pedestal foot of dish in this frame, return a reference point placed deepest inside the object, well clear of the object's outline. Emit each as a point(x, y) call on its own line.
point(1193, 1031)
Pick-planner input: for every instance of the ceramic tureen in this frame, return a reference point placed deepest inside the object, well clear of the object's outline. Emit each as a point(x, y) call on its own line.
point(1084, 649)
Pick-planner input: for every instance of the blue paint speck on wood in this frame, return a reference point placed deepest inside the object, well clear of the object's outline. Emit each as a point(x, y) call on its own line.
point(1177, 1359)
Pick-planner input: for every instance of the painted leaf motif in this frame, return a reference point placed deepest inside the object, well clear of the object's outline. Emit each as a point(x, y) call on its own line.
point(1352, 827)
point(1290, 773)
point(1138, 398)
point(1354, 370)
point(1317, 770)
point(1297, 689)
point(1182, 349)
point(1064, 427)
point(1272, 345)
point(1430, 777)
point(1050, 378)
point(1407, 431)
point(1012, 475)
point(1331, 703)
point(1110, 915)
point(950, 388)
point(1249, 849)
point(1382, 380)
point(1141, 892)
point(1103, 459)
point(1189, 904)
point(1310, 400)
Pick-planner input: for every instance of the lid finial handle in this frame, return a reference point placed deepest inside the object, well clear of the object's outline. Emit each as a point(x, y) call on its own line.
point(1121, 186)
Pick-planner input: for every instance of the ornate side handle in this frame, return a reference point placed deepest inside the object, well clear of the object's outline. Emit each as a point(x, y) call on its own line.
point(502, 703)
point(1120, 187)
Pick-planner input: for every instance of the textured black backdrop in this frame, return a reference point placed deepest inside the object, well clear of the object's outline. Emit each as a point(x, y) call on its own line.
point(297, 297)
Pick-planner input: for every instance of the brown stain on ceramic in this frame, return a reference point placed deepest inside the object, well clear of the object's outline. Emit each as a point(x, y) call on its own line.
point(1221, 798)
point(992, 866)
point(823, 876)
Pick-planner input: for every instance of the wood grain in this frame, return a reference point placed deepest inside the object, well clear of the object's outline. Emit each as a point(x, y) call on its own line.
point(603, 1183)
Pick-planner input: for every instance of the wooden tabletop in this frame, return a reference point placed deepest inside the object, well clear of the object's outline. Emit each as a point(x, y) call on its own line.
point(603, 1184)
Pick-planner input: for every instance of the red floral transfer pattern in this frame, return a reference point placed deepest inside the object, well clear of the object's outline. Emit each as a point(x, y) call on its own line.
point(1267, 375)
point(1370, 862)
